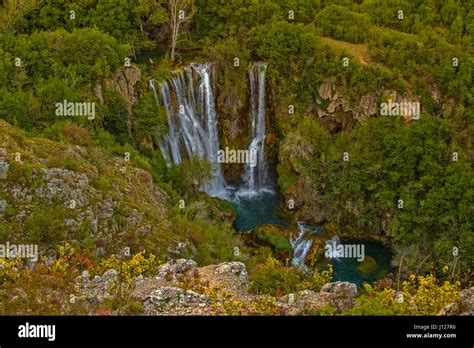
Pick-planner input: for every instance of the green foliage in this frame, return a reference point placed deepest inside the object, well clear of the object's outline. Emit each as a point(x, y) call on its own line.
point(212, 242)
point(104, 138)
point(150, 119)
point(378, 303)
point(53, 67)
point(102, 184)
point(222, 19)
point(9, 212)
point(341, 23)
point(189, 176)
point(46, 228)
point(273, 236)
point(274, 278)
point(3, 234)
point(390, 161)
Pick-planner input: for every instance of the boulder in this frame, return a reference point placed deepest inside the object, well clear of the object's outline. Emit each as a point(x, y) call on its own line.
point(463, 306)
point(466, 300)
point(99, 288)
point(175, 301)
point(341, 289)
point(176, 270)
point(276, 237)
point(368, 266)
point(231, 278)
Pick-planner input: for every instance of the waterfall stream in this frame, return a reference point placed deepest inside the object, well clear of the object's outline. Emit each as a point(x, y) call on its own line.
point(256, 177)
point(192, 121)
point(300, 245)
point(189, 101)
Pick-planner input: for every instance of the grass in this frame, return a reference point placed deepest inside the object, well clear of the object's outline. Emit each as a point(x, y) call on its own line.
point(359, 51)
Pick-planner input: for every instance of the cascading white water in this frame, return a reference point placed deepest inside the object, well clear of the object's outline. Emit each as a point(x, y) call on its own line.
point(301, 245)
point(256, 176)
point(192, 126)
point(192, 121)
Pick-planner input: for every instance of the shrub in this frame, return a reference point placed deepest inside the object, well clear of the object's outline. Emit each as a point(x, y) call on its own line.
point(76, 135)
point(427, 296)
point(378, 303)
point(21, 173)
point(213, 242)
point(47, 289)
point(70, 164)
point(9, 270)
point(9, 212)
point(3, 233)
point(137, 265)
point(274, 278)
point(104, 138)
point(102, 184)
point(189, 176)
point(42, 227)
point(133, 308)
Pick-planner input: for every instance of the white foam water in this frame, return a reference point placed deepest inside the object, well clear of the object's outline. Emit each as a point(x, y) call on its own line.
point(301, 245)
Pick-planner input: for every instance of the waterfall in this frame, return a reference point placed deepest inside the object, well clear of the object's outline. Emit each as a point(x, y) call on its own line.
point(256, 177)
point(192, 121)
point(189, 102)
point(301, 245)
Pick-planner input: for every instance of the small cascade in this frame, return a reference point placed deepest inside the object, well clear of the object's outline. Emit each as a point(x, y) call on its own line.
point(256, 176)
point(192, 121)
point(301, 245)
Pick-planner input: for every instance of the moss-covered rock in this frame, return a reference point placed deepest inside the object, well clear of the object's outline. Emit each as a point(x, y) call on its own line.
point(277, 237)
point(368, 266)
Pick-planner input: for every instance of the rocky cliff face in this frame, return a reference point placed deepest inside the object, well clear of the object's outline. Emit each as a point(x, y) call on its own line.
point(232, 107)
point(341, 112)
point(122, 81)
point(66, 191)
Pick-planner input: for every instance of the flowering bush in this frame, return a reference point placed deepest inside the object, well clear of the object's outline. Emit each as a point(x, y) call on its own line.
point(137, 265)
point(426, 296)
point(9, 270)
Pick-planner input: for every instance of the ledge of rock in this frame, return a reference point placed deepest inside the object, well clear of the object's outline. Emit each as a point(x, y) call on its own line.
point(180, 287)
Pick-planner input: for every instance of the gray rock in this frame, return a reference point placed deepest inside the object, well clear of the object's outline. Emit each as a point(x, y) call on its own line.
point(3, 206)
point(176, 269)
point(341, 289)
point(233, 268)
point(466, 299)
point(4, 169)
point(175, 301)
